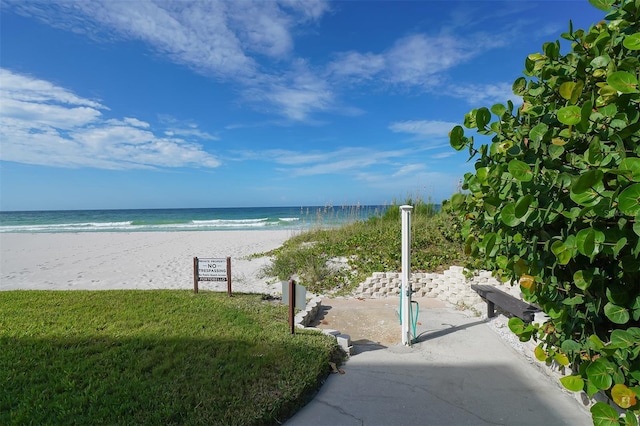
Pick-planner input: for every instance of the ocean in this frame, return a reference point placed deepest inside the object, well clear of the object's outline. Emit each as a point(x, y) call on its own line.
point(173, 220)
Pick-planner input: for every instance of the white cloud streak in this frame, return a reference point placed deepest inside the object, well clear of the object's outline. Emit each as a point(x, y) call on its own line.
point(250, 43)
point(423, 129)
point(44, 124)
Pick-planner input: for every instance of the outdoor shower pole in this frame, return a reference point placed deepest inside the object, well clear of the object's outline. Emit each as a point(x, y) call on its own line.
point(405, 296)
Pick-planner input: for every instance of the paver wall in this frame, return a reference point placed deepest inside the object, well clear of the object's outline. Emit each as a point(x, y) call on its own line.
point(450, 286)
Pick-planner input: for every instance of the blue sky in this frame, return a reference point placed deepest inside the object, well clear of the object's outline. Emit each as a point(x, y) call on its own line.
point(158, 104)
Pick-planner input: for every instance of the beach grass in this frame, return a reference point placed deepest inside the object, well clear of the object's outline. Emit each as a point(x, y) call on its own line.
point(338, 259)
point(153, 357)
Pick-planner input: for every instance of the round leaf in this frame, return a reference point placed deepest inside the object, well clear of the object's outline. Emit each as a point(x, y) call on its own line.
point(598, 373)
point(457, 200)
point(582, 279)
point(629, 200)
point(623, 81)
point(519, 86)
point(540, 354)
point(483, 117)
point(616, 314)
point(589, 241)
point(632, 168)
point(522, 206)
point(632, 42)
point(456, 138)
point(562, 252)
point(569, 115)
point(537, 133)
point(498, 109)
point(600, 61)
point(527, 281)
point(602, 413)
point(508, 215)
point(573, 383)
point(622, 339)
point(571, 346)
point(623, 396)
point(516, 325)
point(587, 181)
point(520, 170)
point(566, 89)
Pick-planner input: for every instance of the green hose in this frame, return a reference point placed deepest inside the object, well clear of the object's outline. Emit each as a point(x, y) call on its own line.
point(413, 317)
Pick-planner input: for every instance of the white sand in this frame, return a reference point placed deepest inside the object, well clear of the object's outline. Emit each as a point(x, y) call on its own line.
point(144, 260)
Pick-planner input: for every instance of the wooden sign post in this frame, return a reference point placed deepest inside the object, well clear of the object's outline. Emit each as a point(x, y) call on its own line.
point(212, 269)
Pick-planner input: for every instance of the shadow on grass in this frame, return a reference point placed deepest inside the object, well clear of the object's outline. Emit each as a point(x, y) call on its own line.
point(158, 380)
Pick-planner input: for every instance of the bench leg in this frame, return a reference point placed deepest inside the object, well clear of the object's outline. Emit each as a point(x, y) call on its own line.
point(491, 309)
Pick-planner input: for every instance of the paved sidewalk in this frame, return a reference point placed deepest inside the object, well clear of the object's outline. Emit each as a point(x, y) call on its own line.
point(460, 372)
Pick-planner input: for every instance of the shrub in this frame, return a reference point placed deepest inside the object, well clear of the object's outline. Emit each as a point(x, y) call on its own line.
point(554, 203)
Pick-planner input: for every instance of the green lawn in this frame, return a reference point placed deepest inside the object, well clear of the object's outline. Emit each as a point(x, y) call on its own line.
point(153, 357)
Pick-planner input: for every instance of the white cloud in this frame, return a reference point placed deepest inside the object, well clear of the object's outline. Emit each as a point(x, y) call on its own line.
point(349, 160)
point(361, 66)
point(297, 94)
point(409, 169)
point(485, 94)
point(423, 128)
point(417, 59)
point(227, 40)
point(41, 123)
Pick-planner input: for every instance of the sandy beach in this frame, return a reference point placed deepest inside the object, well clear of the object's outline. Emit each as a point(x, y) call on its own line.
point(142, 260)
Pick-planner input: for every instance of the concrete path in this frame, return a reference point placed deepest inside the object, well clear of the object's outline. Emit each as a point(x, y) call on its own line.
point(460, 372)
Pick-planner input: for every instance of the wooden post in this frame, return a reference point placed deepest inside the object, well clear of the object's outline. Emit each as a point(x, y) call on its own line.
point(195, 275)
point(292, 304)
point(229, 276)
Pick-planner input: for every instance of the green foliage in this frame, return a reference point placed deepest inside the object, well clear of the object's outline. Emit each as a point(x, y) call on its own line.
point(368, 246)
point(554, 202)
point(153, 357)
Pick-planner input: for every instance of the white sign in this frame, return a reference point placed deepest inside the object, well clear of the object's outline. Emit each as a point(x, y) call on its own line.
point(212, 269)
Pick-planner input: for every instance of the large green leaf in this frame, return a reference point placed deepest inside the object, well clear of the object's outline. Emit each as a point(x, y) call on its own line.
point(631, 166)
point(582, 279)
point(483, 117)
point(632, 42)
point(562, 251)
point(573, 383)
point(623, 81)
point(508, 215)
point(602, 413)
point(498, 109)
point(519, 86)
point(520, 170)
point(522, 205)
point(599, 373)
point(622, 339)
point(537, 133)
point(456, 138)
point(616, 314)
point(589, 241)
point(629, 200)
point(566, 89)
point(569, 115)
point(600, 61)
point(587, 181)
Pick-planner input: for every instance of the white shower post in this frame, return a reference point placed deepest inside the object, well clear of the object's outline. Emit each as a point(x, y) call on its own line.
point(406, 271)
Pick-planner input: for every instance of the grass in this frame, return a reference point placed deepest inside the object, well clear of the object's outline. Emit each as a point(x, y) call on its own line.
point(318, 256)
point(153, 357)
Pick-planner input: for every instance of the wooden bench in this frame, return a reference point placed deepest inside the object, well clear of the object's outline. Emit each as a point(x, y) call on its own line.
point(506, 302)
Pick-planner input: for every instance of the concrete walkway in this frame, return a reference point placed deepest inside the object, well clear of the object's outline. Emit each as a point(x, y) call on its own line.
point(460, 372)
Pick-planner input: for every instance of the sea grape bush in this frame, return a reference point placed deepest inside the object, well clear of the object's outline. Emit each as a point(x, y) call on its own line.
point(554, 204)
